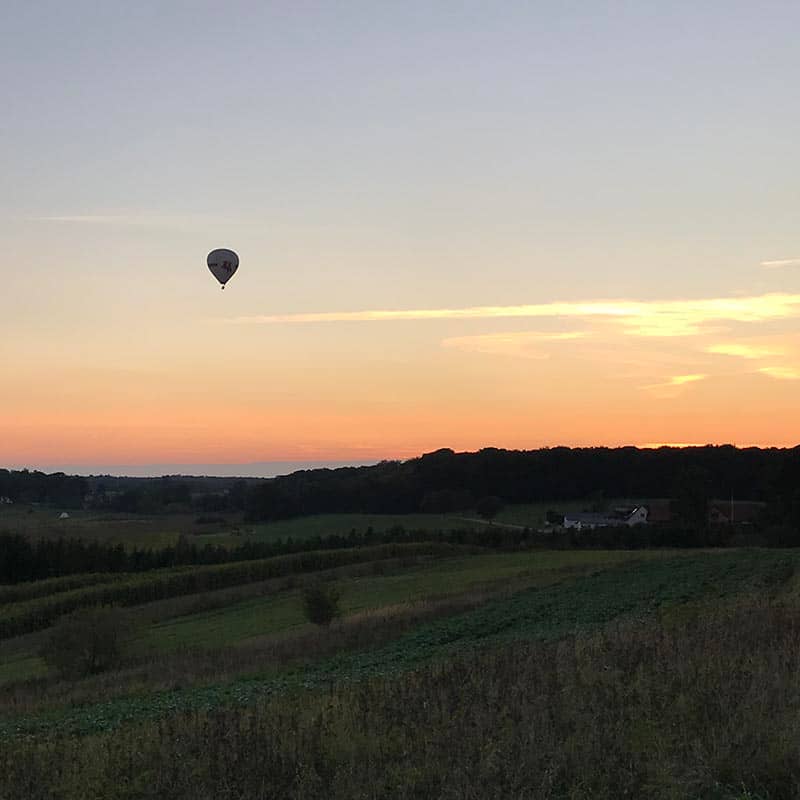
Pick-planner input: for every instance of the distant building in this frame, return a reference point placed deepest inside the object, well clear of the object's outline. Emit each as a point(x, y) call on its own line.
point(735, 512)
point(627, 515)
point(659, 511)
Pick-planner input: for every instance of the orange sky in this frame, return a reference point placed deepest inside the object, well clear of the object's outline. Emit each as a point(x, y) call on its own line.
point(458, 226)
point(714, 370)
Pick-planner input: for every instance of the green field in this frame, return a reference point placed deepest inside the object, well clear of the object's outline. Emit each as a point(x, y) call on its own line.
point(158, 531)
point(21, 667)
point(528, 515)
point(162, 530)
point(130, 530)
point(272, 615)
point(343, 524)
point(275, 614)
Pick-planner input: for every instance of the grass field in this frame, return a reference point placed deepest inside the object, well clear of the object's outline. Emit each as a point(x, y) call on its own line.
point(343, 524)
point(163, 530)
point(130, 530)
point(277, 613)
point(530, 515)
point(577, 606)
point(160, 531)
point(21, 667)
point(534, 515)
point(272, 615)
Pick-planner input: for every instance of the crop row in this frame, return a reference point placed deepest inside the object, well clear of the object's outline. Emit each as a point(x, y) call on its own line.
point(19, 592)
point(128, 590)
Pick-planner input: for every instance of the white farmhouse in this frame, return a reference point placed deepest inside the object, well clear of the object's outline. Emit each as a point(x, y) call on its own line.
point(584, 520)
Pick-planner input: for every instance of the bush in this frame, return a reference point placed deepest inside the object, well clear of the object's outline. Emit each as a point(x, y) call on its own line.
point(489, 507)
point(87, 642)
point(321, 603)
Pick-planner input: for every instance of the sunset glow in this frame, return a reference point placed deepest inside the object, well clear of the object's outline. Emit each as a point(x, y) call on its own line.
point(455, 234)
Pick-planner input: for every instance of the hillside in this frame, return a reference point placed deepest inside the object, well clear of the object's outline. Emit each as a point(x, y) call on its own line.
point(563, 674)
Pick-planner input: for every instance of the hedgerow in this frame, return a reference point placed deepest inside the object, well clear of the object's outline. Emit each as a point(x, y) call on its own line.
point(19, 592)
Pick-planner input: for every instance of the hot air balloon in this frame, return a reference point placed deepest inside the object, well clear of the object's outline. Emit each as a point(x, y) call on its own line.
point(222, 263)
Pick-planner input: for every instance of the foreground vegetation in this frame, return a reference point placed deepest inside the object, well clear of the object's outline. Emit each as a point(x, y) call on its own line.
point(704, 709)
point(664, 677)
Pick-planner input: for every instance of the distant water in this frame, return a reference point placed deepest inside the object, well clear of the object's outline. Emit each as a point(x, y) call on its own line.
point(256, 469)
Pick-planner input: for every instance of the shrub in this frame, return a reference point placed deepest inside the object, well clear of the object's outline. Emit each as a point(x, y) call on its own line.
point(321, 603)
point(489, 507)
point(86, 642)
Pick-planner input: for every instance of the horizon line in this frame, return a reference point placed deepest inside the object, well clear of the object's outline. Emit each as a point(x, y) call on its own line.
point(115, 470)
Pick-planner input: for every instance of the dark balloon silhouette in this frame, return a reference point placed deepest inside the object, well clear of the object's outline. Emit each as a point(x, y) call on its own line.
point(223, 263)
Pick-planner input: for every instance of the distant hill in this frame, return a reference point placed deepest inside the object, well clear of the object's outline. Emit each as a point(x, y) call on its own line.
point(445, 481)
point(254, 469)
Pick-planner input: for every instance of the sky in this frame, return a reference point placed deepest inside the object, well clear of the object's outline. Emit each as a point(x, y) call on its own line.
point(460, 224)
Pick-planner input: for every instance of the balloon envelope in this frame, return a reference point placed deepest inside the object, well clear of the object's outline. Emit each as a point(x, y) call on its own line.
point(222, 263)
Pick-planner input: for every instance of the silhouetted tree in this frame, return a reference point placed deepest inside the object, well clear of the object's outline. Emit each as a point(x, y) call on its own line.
point(489, 507)
point(321, 603)
point(692, 494)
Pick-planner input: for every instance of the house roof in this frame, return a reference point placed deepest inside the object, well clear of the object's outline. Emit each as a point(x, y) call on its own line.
point(589, 517)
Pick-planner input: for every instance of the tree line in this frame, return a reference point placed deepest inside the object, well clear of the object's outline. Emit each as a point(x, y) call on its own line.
point(443, 481)
point(23, 559)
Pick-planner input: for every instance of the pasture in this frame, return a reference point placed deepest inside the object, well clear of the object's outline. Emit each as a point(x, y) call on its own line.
point(141, 531)
point(154, 531)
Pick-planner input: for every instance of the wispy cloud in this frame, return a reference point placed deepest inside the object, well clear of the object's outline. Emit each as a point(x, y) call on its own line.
point(781, 373)
point(742, 350)
point(93, 219)
point(638, 318)
point(523, 344)
point(781, 262)
point(679, 380)
point(673, 385)
point(474, 312)
point(145, 220)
